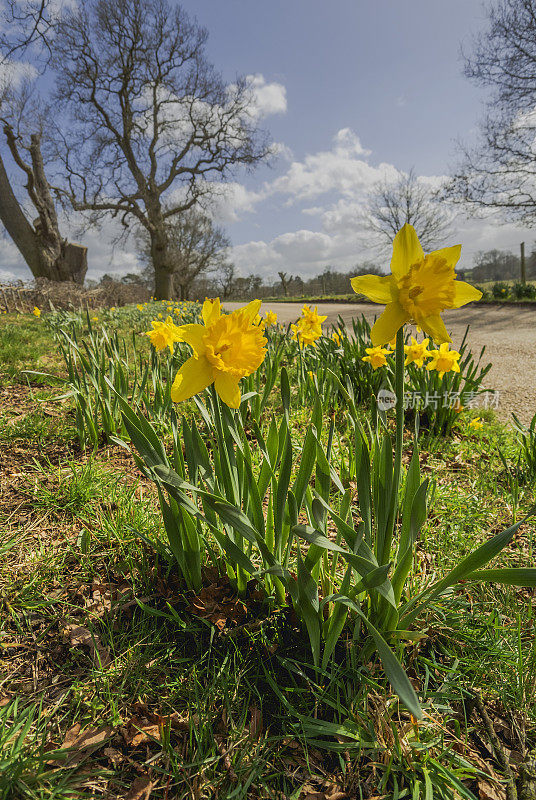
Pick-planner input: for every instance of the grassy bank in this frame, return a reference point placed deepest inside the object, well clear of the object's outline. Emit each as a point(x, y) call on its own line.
point(116, 682)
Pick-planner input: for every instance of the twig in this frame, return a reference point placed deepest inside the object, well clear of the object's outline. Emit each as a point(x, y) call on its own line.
point(498, 749)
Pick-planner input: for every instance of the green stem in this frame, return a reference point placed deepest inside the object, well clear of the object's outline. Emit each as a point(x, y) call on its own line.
point(399, 391)
point(397, 468)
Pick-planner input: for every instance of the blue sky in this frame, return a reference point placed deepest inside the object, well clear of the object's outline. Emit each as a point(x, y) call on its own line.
point(349, 90)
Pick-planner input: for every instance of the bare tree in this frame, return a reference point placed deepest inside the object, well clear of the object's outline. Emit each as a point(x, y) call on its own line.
point(197, 248)
point(392, 204)
point(285, 280)
point(25, 25)
point(499, 172)
point(152, 126)
point(46, 252)
point(225, 279)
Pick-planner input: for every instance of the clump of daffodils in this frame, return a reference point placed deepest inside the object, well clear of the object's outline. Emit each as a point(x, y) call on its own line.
point(226, 348)
point(308, 328)
point(36, 312)
point(164, 334)
point(442, 360)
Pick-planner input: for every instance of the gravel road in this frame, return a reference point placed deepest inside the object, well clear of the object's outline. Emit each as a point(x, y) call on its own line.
point(507, 332)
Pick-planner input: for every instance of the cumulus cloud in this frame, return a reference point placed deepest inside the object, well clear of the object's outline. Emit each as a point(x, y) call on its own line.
point(268, 97)
point(343, 169)
point(232, 200)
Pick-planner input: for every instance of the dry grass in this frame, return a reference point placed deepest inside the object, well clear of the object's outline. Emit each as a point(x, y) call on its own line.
point(49, 295)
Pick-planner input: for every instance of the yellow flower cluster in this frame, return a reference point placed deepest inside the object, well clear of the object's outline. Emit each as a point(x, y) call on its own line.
point(308, 328)
point(476, 424)
point(442, 360)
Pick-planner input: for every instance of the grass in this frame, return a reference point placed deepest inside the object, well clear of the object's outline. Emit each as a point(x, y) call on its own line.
point(113, 679)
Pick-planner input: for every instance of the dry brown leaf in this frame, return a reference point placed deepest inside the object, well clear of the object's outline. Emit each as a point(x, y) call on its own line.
point(78, 635)
point(82, 742)
point(141, 789)
point(491, 791)
point(115, 756)
point(147, 725)
point(216, 603)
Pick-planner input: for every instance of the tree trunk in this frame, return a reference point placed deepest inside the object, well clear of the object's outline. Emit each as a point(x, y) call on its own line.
point(41, 245)
point(163, 265)
point(163, 284)
point(18, 226)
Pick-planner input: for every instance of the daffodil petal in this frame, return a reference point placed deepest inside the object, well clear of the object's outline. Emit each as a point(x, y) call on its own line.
point(407, 250)
point(251, 310)
point(193, 335)
point(376, 287)
point(388, 324)
point(465, 293)
point(211, 311)
point(228, 389)
point(450, 254)
point(435, 327)
point(194, 376)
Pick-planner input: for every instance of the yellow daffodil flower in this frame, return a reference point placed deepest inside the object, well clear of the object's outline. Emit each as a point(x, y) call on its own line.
point(444, 360)
point(226, 349)
point(94, 319)
point(476, 424)
point(308, 328)
point(164, 334)
point(112, 308)
point(336, 338)
point(376, 356)
point(270, 318)
point(415, 352)
point(418, 289)
point(139, 306)
point(311, 317)
point(36, 312)
point(306, 334)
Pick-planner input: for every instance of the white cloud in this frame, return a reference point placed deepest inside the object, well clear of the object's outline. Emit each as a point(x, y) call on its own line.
point(343, 170)
point(302, 252)
point(282, 151)
point(14, 73)
point(232, 201)
point(268, 98)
